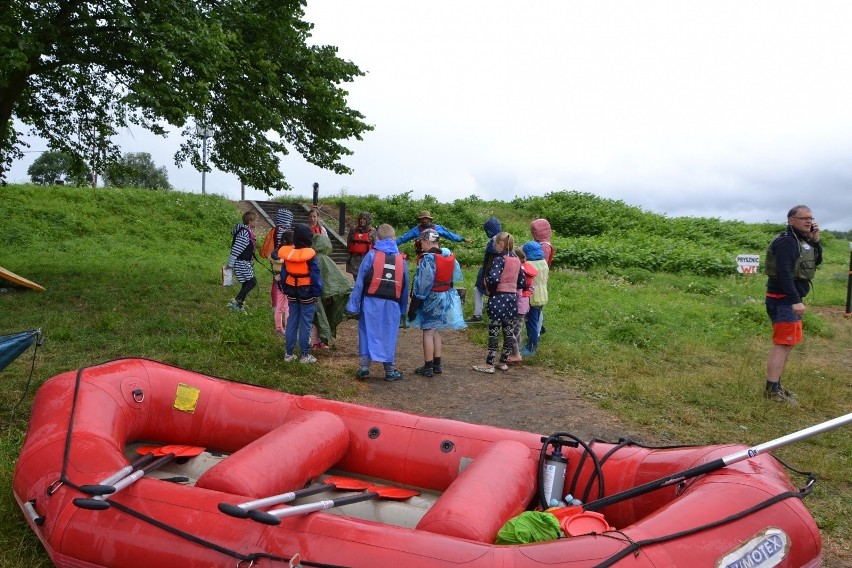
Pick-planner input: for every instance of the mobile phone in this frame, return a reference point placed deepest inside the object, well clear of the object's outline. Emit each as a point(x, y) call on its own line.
point(813, 229)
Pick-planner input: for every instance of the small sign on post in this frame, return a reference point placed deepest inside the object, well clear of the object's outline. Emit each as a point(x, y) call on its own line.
point(748, 263)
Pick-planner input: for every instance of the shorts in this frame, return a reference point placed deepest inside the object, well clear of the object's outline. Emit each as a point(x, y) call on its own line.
point(786, 325)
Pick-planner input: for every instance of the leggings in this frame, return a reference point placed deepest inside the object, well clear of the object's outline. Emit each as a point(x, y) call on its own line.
point(247, 287)
point(494, 339)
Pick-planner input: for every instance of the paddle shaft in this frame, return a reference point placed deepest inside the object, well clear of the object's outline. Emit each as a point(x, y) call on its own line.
point(106, 485)
point(242, 509)
point(274, 517)
point(719, 463)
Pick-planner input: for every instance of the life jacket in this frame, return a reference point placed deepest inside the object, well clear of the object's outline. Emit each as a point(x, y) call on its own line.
point(805, 266)
point(530, 272)
point(361, 243)
point(385, 276)
point(509, 276)
point(248, 252)
point(269, 242)
point(418, 244)
point(296, 264)
point(444, 268)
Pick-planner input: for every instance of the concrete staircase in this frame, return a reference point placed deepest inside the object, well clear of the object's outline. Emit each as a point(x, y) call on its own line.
point(267, 209)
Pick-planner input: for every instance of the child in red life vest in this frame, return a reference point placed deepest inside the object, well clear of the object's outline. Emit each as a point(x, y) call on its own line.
point(359, 241)
point(302, 283)
point(502, 281)
point(439, 303)
point(380, 297)
point(530, 272)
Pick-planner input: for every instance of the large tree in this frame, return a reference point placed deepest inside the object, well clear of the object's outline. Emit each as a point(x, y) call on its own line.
point(77, 72)
point(137, 169)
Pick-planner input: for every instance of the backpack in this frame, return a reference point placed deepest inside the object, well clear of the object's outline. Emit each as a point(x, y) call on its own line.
point(268, 243)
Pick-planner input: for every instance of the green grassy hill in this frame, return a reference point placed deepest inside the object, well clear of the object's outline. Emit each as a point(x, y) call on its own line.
point(648, 317)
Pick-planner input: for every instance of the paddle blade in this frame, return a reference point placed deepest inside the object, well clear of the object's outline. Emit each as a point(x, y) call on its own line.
point(393, 493)
point(180, 451)
point(347, 483)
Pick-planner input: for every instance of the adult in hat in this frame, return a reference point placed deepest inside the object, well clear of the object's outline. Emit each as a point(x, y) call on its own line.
point(426, 222)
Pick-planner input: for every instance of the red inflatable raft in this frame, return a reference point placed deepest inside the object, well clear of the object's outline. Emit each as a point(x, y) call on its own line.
point(469, 480)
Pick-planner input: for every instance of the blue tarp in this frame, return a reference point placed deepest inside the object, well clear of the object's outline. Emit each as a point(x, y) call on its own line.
point(11, 346)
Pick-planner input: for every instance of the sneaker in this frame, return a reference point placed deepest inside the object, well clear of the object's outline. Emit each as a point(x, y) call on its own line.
point(362, 374)
point(438, 369)
point(779, 396)
point(474, 319)
point(308, 359)
point(289, 358)
point(425, 371)
point(394, 376)
point(788, 393)
point(235, 306)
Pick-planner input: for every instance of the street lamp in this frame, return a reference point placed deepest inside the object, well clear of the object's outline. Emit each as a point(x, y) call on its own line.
point(204, 133)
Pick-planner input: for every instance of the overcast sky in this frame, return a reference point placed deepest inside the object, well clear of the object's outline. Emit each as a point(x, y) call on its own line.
point(729, 109)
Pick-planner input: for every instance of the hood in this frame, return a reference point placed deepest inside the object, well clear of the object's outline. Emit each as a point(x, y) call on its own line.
point(540, 229)
point(239, 227)
point(321, 244)
point(387, 246)
point(302, 236)
point(284, 218)
point(492, 227)
point(533, 251)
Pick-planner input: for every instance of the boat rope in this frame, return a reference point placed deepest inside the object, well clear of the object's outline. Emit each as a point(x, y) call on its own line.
point(251, 558)
point(635, 546)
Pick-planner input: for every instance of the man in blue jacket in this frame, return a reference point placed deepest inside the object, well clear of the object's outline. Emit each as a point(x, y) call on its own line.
point(791, 262)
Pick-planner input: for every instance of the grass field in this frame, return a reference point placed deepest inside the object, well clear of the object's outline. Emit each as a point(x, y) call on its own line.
point(679, 352)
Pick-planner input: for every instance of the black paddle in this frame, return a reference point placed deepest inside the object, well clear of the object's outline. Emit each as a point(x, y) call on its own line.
point(718, 463)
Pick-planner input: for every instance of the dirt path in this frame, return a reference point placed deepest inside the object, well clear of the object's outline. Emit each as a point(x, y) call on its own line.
point(522, 398)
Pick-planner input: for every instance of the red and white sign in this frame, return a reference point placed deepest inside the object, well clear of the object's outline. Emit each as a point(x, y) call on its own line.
point(748, 263)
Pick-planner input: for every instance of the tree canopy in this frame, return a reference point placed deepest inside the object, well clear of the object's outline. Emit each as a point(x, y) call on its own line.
point(52, 167)
point(77, 73)
point(137, 169)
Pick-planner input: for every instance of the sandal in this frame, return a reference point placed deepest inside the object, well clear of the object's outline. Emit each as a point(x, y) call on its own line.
point(483, 369)
point(502, 366)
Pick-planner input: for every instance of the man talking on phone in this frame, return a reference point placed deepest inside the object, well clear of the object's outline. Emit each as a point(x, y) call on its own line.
point(791, 262)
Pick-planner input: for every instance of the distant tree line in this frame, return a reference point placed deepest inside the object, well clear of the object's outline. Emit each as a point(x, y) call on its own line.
point(134, 169)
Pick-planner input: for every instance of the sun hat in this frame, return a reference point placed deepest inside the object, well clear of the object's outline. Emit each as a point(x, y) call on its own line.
point(425, 215)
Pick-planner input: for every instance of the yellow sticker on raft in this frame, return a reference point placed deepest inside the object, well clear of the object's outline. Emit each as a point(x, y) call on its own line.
point(186, 398)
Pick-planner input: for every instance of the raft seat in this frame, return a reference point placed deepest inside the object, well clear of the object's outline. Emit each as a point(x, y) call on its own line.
point(282, 460)
point(496, 486)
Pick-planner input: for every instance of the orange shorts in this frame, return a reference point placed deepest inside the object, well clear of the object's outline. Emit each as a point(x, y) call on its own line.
point(787, 332)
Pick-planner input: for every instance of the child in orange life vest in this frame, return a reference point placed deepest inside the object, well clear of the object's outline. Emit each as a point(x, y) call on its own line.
point(438, 306)
point(302, 283)
point(530, 272)
point(359, 241)
point(283, 236)
point(380, 297)
point(502, 281)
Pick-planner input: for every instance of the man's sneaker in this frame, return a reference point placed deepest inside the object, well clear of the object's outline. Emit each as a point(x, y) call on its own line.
point(394, 376)
point(362, 374)
point(788, 393)
point(474, 319)
point(438, 369)
point(308, 359)
point(289, 358)
point(779, 396)
point(424, 370)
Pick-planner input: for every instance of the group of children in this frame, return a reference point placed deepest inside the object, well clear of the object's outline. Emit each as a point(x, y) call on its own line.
point(515, 282)
point(305, 277)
